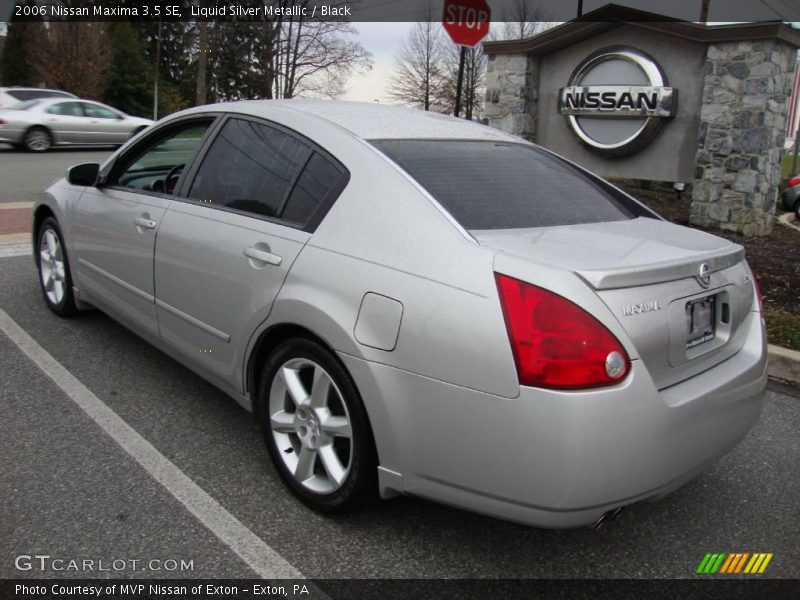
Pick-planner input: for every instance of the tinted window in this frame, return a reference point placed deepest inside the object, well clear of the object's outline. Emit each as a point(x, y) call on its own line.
point(250, 167)
point(98, 112)
point(157, 165)
point(317, 181)
point(70, 109)
point(30, 94)
point(491, 185)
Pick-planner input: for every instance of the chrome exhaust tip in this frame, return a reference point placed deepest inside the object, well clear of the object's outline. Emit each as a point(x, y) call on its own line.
point(606, 518)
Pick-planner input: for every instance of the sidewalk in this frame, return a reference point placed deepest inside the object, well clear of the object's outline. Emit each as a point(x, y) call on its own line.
point(15, 222)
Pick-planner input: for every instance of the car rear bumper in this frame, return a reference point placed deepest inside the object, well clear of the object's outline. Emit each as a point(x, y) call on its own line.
point(559, 459)
point(10, 136)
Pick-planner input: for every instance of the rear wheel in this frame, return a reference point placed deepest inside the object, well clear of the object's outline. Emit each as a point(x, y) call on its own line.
point(38, 139)
point(316, 428)
point(54, 275)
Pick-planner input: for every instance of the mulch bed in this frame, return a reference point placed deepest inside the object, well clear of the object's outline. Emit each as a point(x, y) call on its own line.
point(775, 259)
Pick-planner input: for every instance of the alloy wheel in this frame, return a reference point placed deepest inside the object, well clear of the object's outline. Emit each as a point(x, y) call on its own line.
point(38, 140)
point(311, 425)
point(51, 266)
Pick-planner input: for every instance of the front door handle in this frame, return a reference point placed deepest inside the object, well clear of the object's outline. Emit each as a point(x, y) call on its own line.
point(145, 223)
point(263, 256)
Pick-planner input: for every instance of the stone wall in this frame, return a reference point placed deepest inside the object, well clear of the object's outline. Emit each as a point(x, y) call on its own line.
point(741, 135)
point(511, 93)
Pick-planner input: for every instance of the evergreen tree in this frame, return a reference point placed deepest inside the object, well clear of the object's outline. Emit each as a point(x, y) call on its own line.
point(22, 39)
point(129, 85)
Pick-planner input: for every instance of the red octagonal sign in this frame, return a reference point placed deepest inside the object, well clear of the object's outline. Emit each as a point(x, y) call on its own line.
point(466, 21)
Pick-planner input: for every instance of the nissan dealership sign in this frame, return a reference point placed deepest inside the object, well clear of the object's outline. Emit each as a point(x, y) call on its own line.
point(616, 100)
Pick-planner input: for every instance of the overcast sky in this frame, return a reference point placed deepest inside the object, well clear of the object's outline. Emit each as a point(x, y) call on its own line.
point(383, 40)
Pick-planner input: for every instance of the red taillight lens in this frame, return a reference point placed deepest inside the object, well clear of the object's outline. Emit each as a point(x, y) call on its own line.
point(757, 287)
point(2, 122)
point(557, 344)
point(794, 181)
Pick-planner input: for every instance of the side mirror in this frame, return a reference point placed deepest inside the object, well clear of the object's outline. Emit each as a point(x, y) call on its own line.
point(84, 175)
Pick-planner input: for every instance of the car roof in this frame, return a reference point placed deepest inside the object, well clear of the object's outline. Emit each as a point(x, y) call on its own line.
point(371, 120)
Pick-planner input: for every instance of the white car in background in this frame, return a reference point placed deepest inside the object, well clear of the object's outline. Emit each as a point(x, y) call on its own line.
point(39, 124)
point(9, 96)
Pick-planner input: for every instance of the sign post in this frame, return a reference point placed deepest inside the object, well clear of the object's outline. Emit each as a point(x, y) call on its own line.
point(467, 23)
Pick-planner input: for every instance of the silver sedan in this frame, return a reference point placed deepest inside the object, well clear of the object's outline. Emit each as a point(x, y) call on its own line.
point(39, 124)
point(415, 304)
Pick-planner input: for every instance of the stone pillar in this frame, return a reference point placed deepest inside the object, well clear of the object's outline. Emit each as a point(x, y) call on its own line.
point(741, 136)
point(512, 91)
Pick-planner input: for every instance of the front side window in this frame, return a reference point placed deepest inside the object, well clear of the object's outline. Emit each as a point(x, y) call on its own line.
point(250, 167)
point(501, 185)
point(157, 163)
point(99, 112)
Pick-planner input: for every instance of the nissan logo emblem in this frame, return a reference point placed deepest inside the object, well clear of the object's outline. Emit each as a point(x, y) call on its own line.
point(704, 274)
point(616, 100)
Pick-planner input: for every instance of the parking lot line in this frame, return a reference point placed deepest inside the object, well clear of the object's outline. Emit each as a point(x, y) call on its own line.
point(260, 557)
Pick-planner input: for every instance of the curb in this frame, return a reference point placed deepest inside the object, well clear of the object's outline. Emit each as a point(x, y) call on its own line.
point(784, 363)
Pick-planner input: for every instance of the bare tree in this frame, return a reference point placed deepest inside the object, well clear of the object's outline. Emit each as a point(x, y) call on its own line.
point(473, 85)
point(316, 58)
point(75, 57)
point(419, 66)
point(523, 19)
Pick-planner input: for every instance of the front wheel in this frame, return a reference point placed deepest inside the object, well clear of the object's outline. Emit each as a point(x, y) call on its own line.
point(316, 428)
point(54, 275)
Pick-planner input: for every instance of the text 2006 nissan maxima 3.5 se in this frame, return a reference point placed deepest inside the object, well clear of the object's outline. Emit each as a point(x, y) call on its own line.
point(416, 304)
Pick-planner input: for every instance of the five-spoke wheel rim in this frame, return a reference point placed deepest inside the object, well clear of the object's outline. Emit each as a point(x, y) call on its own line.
point(38, 140)
point(311, 425)
point(51, 266)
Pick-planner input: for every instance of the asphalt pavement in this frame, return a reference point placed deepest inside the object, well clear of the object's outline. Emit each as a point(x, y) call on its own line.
point(24, 174)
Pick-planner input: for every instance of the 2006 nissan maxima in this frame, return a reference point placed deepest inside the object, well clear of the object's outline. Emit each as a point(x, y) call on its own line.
point(412, 303)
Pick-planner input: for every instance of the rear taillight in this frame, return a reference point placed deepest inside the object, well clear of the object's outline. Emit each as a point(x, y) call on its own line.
point(757, 287)
point(2, 122)
point(794, 181)
point(557, 344)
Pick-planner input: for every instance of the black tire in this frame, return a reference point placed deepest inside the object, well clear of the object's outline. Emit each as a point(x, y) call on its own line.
point(37, 139)
point(359, 486)
point(64, 307)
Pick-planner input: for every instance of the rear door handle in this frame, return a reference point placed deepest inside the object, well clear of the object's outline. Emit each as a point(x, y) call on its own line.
point(263, 256)
point(146, 223)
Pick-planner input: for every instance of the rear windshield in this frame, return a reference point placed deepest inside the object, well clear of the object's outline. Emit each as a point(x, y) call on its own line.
point(499, 185)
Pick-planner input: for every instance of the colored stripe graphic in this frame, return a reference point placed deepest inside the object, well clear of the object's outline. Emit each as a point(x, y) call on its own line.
point(727, 564)
point(703, 563)
point(734, 562)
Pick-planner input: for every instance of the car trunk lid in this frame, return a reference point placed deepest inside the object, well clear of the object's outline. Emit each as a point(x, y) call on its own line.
point(647, 272)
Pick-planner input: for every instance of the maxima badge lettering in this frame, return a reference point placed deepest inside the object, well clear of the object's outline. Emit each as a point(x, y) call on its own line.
point(611, 118)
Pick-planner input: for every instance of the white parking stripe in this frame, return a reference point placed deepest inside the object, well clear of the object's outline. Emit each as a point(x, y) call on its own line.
point(261, 558)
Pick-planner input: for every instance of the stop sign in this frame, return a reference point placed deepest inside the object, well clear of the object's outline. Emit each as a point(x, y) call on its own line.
point(466, 21)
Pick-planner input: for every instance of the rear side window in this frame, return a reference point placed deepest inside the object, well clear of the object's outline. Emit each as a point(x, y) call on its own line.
point(496, 185)
point(250, 167)
point(315, 186)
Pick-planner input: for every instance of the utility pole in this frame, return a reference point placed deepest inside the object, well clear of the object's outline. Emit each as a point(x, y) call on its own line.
point(580, 8)
point(460, 82)
point(155, 81)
